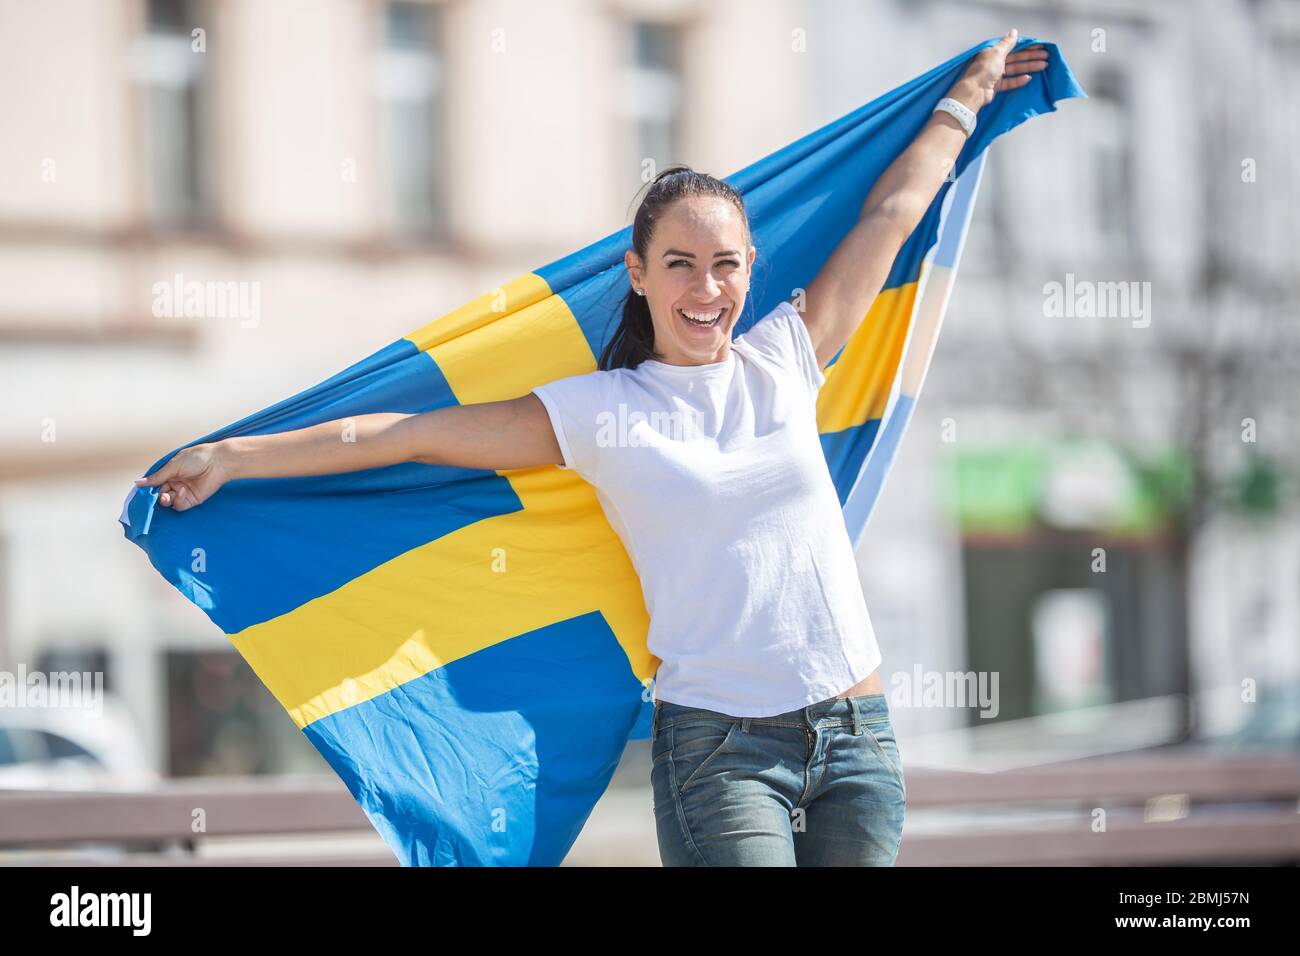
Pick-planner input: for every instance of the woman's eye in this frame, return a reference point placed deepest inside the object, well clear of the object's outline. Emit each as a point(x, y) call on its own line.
point(686, 262)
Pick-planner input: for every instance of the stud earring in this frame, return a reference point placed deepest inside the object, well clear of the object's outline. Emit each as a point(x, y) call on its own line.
point(640, 291)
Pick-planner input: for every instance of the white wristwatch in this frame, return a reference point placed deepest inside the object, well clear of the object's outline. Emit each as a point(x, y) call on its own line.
point(960, 112)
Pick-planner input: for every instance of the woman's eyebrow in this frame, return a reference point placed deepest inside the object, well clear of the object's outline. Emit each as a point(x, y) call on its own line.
point(691, 255)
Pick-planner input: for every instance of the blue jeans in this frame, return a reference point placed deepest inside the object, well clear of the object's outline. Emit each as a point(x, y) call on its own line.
point(819, 786)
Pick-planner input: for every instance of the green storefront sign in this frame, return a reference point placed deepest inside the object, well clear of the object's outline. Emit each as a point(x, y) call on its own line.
point(1068, 485)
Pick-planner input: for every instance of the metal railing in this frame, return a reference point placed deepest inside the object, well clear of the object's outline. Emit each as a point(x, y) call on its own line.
point(1131, 810)
point(1147, 809)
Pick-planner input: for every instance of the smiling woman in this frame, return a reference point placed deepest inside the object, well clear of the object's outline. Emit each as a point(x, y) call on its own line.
point(701, 278)
point(736, 531)
point(768, 656)
point(690, 265)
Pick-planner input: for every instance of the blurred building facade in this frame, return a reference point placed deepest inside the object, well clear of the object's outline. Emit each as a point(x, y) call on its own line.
point(353, 167)
point(1058, 559)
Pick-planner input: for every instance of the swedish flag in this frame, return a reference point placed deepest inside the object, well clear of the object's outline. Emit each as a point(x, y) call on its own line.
point(466, 648)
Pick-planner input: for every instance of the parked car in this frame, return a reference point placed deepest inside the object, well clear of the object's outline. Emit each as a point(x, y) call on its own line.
point(54, 748)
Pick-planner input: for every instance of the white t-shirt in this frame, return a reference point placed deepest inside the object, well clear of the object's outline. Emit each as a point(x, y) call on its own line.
point(714, 478)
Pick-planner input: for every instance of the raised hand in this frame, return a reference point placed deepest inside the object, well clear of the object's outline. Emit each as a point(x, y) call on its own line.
point(996, 69)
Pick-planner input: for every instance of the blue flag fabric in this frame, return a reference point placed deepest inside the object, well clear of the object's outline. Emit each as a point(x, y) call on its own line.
point(466, 648)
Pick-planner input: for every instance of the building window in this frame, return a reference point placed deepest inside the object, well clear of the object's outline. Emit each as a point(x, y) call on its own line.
point(652, 95)
point(170, 65)
point(221, 719)
point(1110, 136)
point(410, 90)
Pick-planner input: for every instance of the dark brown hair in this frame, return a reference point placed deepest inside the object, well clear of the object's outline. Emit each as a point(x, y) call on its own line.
point(634, 339)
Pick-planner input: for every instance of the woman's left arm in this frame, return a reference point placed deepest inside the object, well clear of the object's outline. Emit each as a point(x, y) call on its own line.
point(840, 296)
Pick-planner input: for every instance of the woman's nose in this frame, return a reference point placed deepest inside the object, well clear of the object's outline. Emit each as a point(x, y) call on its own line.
point(708, 287)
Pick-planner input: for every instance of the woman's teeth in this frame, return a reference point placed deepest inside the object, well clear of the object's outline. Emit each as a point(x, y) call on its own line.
point(704, 319)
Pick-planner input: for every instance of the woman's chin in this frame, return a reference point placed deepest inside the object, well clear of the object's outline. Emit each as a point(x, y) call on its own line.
point(701, 356)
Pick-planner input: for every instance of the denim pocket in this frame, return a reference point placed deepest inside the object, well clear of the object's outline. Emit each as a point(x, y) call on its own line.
point(695, 743)
point(882, 735)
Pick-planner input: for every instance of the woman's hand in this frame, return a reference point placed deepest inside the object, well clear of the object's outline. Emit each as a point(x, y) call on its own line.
point(993, 70)
point(191, 477)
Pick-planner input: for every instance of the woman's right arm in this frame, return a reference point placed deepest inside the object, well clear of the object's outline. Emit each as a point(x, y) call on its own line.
point(495, 436)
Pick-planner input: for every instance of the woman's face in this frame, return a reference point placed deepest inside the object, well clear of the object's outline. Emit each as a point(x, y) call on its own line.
point(698, 264)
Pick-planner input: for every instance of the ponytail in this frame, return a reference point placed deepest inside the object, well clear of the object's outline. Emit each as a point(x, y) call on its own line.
point(634, 340)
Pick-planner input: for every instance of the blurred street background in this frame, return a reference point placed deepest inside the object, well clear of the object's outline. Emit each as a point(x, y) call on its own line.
point(1088, 547)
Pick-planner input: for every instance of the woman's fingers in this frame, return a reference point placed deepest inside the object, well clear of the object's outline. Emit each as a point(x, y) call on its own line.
point(164, 473)
point(178, 497)
point(174, 495)
point(1037, 64)
point(1010, 83)
point(1016, 70)
point(1036, 56)
point(997, 53)
point(159, 476)
point(1034, 66)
